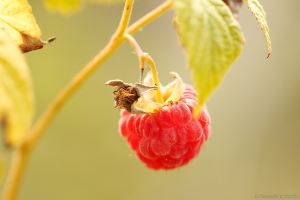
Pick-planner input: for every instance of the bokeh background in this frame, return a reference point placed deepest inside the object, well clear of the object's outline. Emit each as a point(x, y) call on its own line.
point(254, 147)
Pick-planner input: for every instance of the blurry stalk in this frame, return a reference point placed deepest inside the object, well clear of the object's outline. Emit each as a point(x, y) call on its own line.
point(21, 153)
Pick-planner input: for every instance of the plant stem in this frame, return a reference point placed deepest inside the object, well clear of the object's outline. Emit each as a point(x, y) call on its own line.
point(145, 57)
point(21, 153)
point(64, 95)
point(12, 183)
point(125, 18)
point(50, 112)
point(158, 95)
point(149, 17)
point(136, 48)
point(78, 80)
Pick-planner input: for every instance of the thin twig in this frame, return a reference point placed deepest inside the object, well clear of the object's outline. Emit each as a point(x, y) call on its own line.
point(147, 58)
point(136, 48)
point(144, 57)
point(149, 17)
point(21, 154)
point(12, 183)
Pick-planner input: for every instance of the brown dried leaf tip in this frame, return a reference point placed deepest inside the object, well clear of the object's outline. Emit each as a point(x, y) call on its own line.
point(235, 7)
point(30, 43)
point(127, 94)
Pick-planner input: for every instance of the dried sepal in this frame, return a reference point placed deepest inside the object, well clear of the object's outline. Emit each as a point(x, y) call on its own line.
point(175, 89)
point(127, 95)
point(139, 98)
point(148, 106)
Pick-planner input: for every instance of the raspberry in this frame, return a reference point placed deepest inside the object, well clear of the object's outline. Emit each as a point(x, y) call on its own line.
point(169, 138)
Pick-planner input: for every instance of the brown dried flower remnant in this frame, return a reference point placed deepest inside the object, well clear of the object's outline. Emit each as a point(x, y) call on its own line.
point(125, 97)
point(127, 94)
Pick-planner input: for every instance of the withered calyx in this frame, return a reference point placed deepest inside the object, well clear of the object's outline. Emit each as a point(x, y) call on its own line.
point(127, 94)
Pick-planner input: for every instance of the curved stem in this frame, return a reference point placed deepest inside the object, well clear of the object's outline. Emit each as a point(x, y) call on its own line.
point(21, 154)
point(136, 48)
point(149, 17)
point(159, 97)
point(138, 51)
point(63, 96)
point(77, 81)
point(18, 162)
point(144, 57)
point(116, 41)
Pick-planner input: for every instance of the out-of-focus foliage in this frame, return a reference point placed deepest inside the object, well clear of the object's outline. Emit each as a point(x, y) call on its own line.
point(235, 6)
point(257, 9)
point(106, 1)
point(16, 102)
point(65, 7)
point(69, 6)
point(213, 40)
point(17, 20)
point(254, 148)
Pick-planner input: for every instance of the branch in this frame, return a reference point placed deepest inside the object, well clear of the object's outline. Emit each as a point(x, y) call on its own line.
point(144, 57)
point(149, 17)
point(21, 153)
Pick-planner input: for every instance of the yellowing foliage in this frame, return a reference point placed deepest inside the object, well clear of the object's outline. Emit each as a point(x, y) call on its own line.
point(16, 102)
point(258, 11)
point(18, 22)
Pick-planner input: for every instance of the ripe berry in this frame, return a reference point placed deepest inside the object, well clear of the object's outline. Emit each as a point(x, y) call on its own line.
point(169, 138)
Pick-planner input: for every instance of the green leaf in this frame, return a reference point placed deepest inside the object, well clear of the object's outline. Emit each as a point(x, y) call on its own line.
point(258, 11)
point(16, 102)
point(213, 40)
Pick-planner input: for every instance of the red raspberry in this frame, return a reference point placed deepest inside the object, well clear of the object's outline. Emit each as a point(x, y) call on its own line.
point(169, 138)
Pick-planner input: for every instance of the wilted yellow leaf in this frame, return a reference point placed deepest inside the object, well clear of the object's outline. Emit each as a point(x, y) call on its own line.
point(258, 11)
point(16, 95)
point(69, 6)
point(18, 22)
point(63, 6)
point(107, 1)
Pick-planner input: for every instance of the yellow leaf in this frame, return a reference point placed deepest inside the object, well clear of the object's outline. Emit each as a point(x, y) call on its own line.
point(213, 40)
point(68, 6)
point(16, 102)
point(63, 6)
point(18, 22)
point(107, 1)
point(257, 9)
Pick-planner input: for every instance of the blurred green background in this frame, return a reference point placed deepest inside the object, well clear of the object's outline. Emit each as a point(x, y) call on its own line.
point(254, 147)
